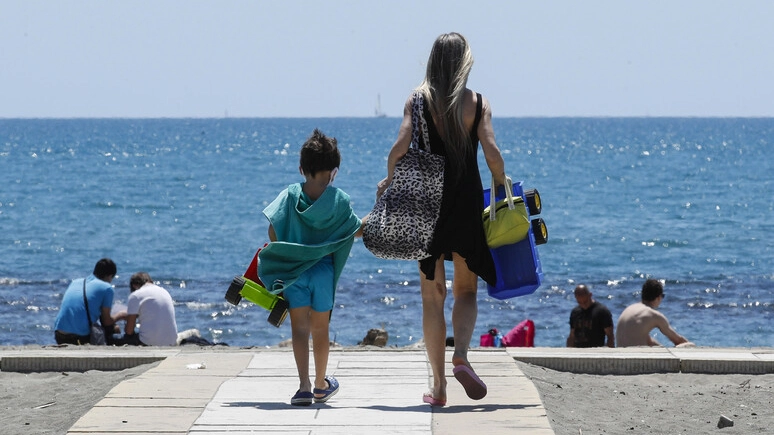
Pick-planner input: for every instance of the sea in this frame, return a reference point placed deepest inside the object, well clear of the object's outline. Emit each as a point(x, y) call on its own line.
point(689, 201)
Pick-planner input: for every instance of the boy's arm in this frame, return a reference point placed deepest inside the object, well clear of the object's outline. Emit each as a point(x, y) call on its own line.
point(272, 234)
point(359, 232)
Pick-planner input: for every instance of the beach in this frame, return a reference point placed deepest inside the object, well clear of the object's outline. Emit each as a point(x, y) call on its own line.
point(661, 403)
point(51, 402)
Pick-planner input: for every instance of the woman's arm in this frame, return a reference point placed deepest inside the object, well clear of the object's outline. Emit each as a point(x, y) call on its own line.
point(494, 160)
point(399, 148)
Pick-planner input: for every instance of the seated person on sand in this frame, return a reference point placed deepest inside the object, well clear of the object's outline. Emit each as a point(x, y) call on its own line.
point(72, 323)
point(637, 320)
point(154, 308)
point(591, 324)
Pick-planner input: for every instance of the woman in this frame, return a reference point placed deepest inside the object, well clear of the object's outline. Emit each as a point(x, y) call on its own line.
point(457, 119)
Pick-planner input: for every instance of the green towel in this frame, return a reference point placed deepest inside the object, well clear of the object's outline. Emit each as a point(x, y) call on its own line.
point(306, 232)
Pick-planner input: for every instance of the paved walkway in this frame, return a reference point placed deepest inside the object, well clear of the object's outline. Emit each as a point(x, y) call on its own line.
point(237, 390)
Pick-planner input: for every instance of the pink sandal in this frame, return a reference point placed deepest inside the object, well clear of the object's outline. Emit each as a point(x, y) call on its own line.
point(474, 387)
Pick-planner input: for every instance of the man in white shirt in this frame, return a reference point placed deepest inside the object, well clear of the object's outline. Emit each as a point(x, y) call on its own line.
point(153, 308)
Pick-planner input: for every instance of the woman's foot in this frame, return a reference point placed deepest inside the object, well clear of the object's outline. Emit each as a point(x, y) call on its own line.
point(432, 401)
point(474, 387)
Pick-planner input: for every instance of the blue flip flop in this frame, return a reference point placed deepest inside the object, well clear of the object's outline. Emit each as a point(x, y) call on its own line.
point(333, 388)
point(302, 398)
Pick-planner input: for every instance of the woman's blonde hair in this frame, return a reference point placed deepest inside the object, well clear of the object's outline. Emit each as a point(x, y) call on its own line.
point(444, 86)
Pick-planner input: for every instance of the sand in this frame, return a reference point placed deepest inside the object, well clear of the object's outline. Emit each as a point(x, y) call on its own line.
point(665, 403)
point(50, 403)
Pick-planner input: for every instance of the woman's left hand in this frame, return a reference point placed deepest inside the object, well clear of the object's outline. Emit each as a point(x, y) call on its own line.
point(382, 186)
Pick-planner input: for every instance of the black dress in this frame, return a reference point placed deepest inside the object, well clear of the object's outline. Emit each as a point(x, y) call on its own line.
point(460, 228)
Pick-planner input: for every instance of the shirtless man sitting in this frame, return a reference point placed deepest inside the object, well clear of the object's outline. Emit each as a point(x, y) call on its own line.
point(637, 320)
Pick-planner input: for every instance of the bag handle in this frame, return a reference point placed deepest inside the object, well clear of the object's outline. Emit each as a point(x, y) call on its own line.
point(86, 302)
point(508, 197)
point(419, 124)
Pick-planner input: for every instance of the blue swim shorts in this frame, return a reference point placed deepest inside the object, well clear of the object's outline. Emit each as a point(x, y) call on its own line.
point(313, 288)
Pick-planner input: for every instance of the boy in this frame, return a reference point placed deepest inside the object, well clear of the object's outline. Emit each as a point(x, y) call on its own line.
point(312, 228)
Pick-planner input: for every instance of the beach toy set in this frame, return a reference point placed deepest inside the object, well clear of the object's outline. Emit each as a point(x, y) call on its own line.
point(250, 287)
point(518, 266)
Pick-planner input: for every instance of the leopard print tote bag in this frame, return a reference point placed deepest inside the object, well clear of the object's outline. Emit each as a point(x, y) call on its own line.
point(402, 222)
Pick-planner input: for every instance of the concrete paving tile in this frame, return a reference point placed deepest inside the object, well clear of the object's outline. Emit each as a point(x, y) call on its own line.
point(232, 430)
point(346, 430)
point(131, 402)
point(271, 360)
point(215, 364)
point(147, 420)
point(317, 415)
point(384, 430)
point(712, 354)
point(329, 430)
point(765, 356)
point(379, 373)
point(192, 387)
point(128, 433)
point(376, 365)
point(351, 394)
point(284, 403)
point(283, 388)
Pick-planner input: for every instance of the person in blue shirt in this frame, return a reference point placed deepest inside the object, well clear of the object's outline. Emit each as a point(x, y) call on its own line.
point(72, 326)
point(312, 228)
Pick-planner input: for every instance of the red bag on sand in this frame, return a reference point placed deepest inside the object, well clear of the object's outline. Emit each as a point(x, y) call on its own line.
point(522, 335)
point(488, 339)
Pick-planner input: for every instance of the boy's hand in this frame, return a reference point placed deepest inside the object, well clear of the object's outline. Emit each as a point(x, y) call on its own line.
point(359, 232)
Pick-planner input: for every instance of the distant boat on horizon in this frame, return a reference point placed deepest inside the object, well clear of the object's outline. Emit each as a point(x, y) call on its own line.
point(378, 109)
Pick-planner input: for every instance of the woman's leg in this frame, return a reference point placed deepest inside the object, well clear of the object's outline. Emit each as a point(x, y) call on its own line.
point(465, 311)
point(464, 315)
point(434, 326)
point(300, 326)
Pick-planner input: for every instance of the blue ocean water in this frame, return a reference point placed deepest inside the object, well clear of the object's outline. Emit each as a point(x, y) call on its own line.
point(686, 200)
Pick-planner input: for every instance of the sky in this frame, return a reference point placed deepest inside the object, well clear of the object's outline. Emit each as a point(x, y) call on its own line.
point(338, 58)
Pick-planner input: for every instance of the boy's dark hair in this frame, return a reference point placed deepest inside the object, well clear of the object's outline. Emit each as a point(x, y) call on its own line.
point(652, 289)
point(104, 268)
point(319, 153)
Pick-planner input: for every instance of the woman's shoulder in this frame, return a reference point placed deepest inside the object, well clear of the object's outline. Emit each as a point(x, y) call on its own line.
point(472, 97)
point(470, 104)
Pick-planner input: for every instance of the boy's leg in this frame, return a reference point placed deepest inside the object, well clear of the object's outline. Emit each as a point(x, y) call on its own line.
point(322, 295)
point(300, 326)
point(434, 326)
point(321, 345)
